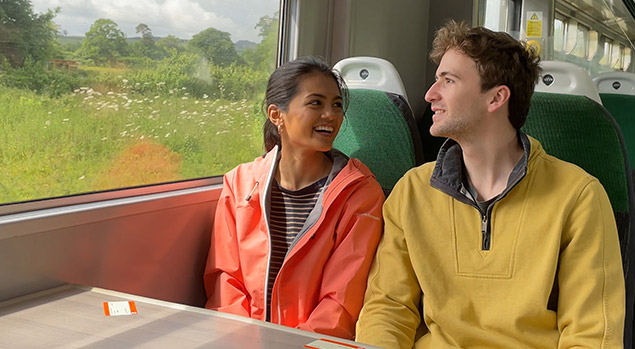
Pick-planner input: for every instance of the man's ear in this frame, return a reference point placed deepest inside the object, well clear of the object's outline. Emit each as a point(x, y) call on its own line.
point(498, 97)
point(275, 114)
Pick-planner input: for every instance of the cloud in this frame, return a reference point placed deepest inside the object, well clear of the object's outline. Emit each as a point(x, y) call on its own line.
point(189, 17)
point(181, 18)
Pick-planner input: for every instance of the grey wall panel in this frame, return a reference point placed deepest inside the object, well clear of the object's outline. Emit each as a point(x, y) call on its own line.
point(440, 13)
point(313, 28)
point(155, 248)
point(397, 32)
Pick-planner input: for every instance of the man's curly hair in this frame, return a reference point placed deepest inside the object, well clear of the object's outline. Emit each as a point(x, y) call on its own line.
point(500, 60)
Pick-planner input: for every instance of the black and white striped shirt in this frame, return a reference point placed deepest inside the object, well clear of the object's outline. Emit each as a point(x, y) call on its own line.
point(289, 211)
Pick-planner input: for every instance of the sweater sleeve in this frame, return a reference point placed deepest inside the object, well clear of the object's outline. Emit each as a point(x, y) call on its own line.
point(223, 279)
point(346, 270)
point(591, 299)
point(390, 316)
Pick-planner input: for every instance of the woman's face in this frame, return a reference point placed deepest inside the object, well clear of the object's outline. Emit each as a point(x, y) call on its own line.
point(314, 115)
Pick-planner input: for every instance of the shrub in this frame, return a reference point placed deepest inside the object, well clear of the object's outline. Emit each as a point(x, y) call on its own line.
point(41, 78)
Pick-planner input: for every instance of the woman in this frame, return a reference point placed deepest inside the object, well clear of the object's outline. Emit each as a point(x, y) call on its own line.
point(296, 229)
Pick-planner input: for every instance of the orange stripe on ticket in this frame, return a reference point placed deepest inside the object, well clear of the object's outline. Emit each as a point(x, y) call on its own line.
point(106, 309)
point(324, 343)
point(340, 343)
point(133, 307)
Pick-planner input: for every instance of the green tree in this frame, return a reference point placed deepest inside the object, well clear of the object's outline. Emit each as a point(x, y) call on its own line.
point(172, 45)
point(145, 31)
point(104, 42)
point(216, 46)
point(24, 33)
point(146, 47)
point(263, 57)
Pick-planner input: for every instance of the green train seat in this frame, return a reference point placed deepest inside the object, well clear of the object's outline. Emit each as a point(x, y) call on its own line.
point(575, 127)
point(617, 91)
point(379, 128)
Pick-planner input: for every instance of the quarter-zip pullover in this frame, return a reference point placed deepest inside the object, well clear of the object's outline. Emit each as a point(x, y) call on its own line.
point(449, 167)
point(551, 277)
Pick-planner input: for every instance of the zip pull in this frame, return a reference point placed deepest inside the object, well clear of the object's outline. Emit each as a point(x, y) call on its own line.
point(248, 197)
point(486, 236)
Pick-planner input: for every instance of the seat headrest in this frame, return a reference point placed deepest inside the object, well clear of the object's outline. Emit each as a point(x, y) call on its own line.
point(616, 82)
point(566, 78)
point(371, 73)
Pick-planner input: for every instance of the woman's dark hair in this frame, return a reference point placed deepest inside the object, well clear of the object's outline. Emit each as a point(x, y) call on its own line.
point(283, 86)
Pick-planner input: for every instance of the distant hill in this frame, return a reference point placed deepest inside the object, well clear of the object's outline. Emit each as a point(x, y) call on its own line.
point(69, 40)
point(65, 40)
point(242, 45)
point(76, 41)
point(133, 39)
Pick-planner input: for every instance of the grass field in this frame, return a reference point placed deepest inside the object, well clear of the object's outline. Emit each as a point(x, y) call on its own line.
point(91, 140)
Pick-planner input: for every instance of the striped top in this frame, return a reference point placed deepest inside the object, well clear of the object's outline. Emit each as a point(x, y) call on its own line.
point(289, 211)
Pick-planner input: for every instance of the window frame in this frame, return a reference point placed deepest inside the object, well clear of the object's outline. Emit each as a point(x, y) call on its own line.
point(162, 189)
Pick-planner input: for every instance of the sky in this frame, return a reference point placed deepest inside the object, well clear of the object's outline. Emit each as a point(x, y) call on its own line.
point(181, 18)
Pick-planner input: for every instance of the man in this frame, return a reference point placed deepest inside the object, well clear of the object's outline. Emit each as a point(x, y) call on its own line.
point(497, 244)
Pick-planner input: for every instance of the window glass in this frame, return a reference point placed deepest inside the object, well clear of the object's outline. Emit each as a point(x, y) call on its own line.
point(593, 44)
point(606, 42)
point(495, 15)
point(581, 41)
point(571, 35)
point(616, 55)
point(627, 59)
point(104, 94)
point(558, 35)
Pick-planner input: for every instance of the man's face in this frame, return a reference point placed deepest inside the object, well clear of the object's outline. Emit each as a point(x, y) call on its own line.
point(456, 98)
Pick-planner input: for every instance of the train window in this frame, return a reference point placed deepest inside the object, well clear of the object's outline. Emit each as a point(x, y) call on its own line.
point(593, 44)
point(500, 15)
point(122, 94)
point(581, 41)
point(558, 35)
point(495, 15)
point(571, 35)
point(607, 51)
point(627, 59)
point(616, 56)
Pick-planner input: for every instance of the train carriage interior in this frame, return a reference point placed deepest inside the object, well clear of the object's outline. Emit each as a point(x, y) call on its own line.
point(119, 229)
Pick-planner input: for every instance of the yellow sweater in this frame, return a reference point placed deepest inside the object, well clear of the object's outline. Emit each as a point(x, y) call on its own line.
point(552, 277)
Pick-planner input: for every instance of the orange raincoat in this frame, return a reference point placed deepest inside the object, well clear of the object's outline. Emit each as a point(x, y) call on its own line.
point(320, 286)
